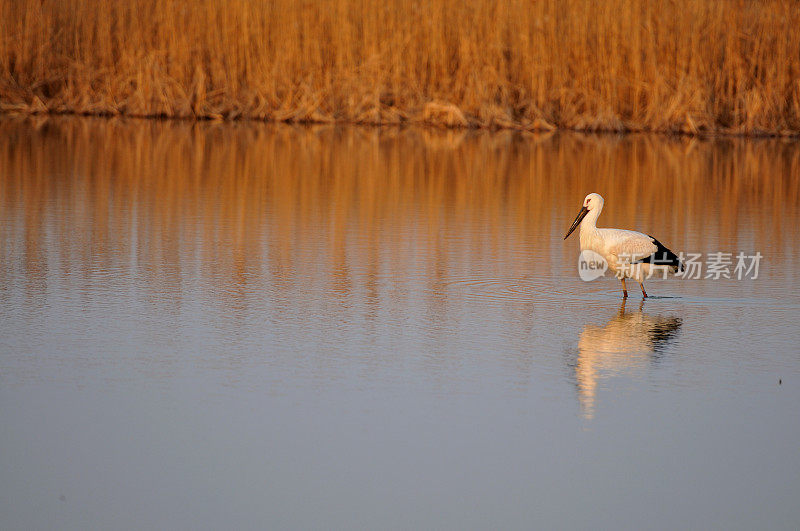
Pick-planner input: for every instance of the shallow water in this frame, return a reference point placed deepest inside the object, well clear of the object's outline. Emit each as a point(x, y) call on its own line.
point(252, 326)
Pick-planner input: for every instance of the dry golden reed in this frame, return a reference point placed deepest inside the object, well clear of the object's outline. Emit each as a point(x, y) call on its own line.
point(687, 66)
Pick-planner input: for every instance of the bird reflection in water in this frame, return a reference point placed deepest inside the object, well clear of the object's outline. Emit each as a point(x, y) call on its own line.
point(629, 343)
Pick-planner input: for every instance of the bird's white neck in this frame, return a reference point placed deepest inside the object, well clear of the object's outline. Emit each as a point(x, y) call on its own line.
point(588, 225)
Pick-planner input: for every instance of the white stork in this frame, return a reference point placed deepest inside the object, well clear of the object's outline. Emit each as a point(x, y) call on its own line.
point(629, 254)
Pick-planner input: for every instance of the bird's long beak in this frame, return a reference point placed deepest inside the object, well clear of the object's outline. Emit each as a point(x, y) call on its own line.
point(578, 219)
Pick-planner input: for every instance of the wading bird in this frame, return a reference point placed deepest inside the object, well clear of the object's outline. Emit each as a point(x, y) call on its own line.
point(629, 254)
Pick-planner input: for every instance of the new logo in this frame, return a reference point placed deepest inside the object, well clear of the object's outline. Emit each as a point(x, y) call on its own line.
point(591, 265)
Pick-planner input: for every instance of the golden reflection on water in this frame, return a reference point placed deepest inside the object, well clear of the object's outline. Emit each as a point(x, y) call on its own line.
point(134, 188)
point(628, 343)
point(337, 210)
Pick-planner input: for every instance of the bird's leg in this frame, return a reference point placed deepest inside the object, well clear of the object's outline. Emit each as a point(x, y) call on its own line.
point(644, 293)
point(624, 289)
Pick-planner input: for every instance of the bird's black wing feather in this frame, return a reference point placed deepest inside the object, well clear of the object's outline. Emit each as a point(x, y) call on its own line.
point(662, 256)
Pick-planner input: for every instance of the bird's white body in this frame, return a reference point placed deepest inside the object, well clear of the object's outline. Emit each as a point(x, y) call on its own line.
point(628, 253)
point(620, 248)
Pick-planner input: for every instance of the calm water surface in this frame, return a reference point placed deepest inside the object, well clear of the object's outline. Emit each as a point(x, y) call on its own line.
point(210, 326)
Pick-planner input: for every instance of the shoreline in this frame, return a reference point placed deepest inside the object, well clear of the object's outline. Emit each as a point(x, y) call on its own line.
point(533, 128)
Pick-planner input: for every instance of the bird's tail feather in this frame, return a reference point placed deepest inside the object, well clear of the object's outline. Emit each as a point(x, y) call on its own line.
point(664, 256)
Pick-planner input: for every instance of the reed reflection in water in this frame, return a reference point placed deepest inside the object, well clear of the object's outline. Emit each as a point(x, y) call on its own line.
point(388, 235)
point(271, 201)
point(387, 322)
point(402, 230)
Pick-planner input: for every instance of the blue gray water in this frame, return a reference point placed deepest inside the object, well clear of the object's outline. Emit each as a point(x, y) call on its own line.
point(209, 326)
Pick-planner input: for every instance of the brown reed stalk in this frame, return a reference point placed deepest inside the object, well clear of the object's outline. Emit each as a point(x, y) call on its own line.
point(690, 66)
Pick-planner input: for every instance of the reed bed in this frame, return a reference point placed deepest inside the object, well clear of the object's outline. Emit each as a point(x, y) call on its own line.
point(690, 66)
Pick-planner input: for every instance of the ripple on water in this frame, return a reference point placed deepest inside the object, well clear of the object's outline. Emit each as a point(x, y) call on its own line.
point(556, 290)
point(522, 290)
